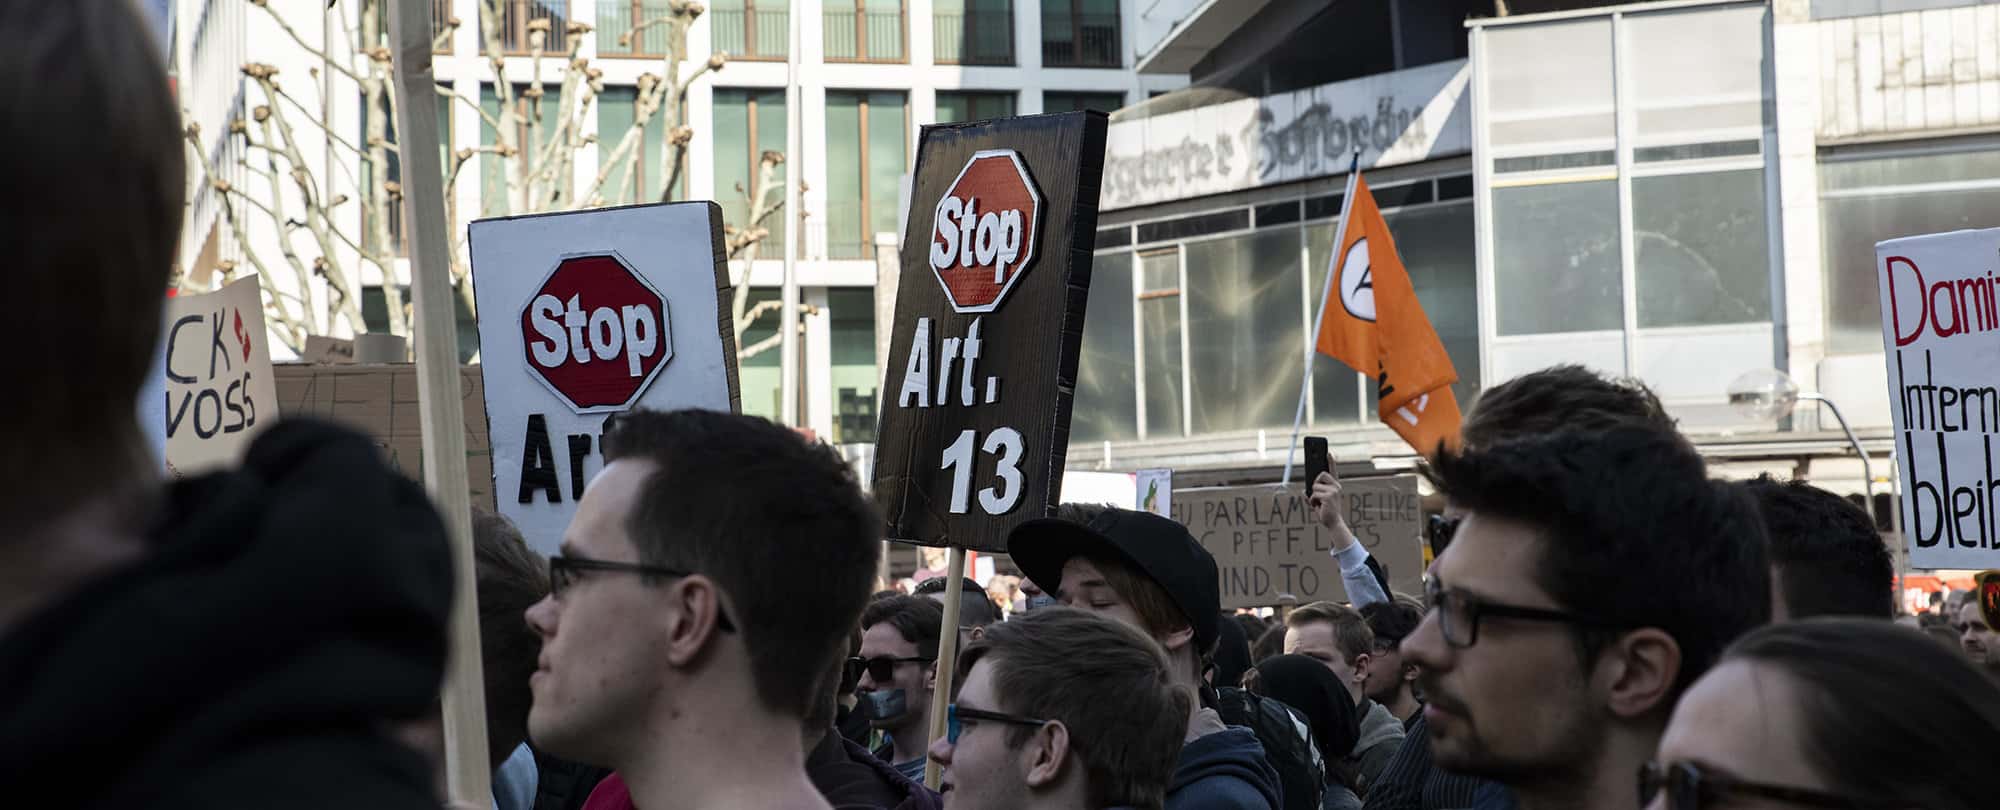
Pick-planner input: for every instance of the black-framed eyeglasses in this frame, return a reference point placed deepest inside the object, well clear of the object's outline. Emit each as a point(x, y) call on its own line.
point(1688, 787)
point(1459, 614)
point(564, 569)
point(955, 719)
point(881, 667)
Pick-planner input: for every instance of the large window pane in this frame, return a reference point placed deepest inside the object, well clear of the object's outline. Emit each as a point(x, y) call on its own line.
point(534, 123)
point(867, 154)
point(1703, 253)
point(1549, 83)
point(1106, 383)
point(1336, 398)
point(1160, 341)
point(843, 175)
point(851, 317)
point(1245, 337)
point(1863, 204)
point(1070, 102)
point(1555, 258)
point(953, 107)
point(888, 157)
point(1696, 72)
point(1436, 247)
point(747, 124)
point(638, 178)
point(758, 375)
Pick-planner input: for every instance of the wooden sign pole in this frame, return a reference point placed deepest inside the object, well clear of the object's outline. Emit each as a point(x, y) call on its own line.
point(947, 660)
point(468, 777)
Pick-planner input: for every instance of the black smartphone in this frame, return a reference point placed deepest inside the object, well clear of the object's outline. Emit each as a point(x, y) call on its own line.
point(1315, 460)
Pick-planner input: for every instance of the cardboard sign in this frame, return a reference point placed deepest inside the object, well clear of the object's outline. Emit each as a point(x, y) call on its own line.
point(989, 319)
point(217, 366)
point(586, 315)
point(1268, 546)
point(1941, 331)
point(381, 400)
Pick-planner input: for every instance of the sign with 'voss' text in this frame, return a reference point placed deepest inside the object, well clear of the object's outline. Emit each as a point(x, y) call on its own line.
point(1941, 330)
point(585, 315)
point(219, 391)
point(1267, 545)
point(989, 319)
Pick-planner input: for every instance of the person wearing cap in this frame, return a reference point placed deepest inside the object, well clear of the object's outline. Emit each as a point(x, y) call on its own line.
point(1148, 572)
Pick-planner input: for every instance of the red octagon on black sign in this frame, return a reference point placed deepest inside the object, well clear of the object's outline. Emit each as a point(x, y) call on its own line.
point(983, 230)
point(596, 333)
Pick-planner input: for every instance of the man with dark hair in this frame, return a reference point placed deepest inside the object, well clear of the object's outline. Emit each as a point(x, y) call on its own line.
point(1595, 575)
point(1337, 636)
point(1149, 573)
point(1388, 679)
point(223, 640)
point(1062, 710)
point(899, 643)
point(674, 650)
point(975, 609)
point(846, 773)
point(511, 578)
point(1826, 557)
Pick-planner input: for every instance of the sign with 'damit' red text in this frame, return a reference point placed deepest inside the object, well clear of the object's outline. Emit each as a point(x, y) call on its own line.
point(1941, 333)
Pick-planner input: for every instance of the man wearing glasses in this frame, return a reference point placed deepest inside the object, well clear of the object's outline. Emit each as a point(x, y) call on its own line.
point(1062, 710)
point(1596, 574)
point(675, 645)
point(898, 665)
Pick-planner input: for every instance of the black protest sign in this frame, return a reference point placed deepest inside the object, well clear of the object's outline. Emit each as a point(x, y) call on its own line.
point(989, 319)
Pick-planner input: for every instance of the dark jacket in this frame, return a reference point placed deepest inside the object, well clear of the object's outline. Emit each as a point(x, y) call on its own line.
point(1411, 782)
point(1224, 771)
point(283, 615)
point(852, 779)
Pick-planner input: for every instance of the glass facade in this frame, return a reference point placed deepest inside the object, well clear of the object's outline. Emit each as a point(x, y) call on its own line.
point(1067, 102)
point(956, 106)
point(748, 123)
point(534, 124)
point(851, 344)
point(637, 180)
point(867, 147)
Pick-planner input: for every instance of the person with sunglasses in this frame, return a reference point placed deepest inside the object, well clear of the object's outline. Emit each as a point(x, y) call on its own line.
point(674, 649)
point(1060, 709)
point(898, 674)
point(1833, 713)
point(1595, 576)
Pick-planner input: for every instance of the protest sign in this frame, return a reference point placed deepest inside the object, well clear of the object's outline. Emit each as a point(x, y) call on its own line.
point(585, 315)
point(217, 365)
point(381, 401)
point(1941, 331)
point(989, 320)
point(1267, 544)
point(1156, 491)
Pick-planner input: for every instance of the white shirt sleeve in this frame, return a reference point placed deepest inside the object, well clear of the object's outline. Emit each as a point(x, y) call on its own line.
point(1362, 589)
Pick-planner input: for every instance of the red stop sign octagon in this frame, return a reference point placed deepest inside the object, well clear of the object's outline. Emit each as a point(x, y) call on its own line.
point(983, 231)
point(596, 333)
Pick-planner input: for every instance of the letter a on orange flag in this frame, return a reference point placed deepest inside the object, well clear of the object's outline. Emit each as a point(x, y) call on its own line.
point(1373, 323)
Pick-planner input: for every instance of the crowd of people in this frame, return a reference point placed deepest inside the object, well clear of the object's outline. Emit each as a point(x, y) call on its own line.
point(1609, 626)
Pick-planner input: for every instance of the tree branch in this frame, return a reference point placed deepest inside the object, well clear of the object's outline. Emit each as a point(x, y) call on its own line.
point(309, 49)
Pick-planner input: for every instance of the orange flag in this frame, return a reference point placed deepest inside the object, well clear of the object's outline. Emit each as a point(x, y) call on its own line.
point(1372, 322)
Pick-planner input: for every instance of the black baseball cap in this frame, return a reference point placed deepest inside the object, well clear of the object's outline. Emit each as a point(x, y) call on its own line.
point(1155, 546)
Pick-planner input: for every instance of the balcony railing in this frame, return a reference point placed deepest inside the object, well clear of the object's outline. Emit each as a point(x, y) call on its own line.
point(751, 35)
point(974, 37)
point(615, 19)
point(1080, 40)
point(516, 17)
point(864, 36)
point(440, 22)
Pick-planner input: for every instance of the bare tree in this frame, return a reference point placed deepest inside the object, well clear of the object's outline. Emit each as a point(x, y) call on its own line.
point(287, 199)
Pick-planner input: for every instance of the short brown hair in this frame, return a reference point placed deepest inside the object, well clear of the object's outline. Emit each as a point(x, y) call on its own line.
point(90, 222)
point(917, 619)
point(510, 579)
point(708, 509)
point(1106, 683)
point(1564, 396)
point(1350, 630)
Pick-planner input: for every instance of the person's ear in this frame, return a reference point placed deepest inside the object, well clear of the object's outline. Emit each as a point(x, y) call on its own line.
point(693, 623)
point(1636, 674)
point(1178, 639)
point(1046, 754)
point(1361, 663)
point(930, 675)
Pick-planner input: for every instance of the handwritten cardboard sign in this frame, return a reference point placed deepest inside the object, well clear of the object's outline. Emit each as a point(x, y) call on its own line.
point(380, 400)
point(217, 366)
point(981, 369)
point(1268, 546)
point(585, 315)
point(1941, 331)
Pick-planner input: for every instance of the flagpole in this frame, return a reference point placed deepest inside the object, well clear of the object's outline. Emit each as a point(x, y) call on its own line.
point(1312, 340)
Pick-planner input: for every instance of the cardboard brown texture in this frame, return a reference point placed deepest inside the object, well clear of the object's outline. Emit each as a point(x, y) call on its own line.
point(381, 401)
point(1267, 544)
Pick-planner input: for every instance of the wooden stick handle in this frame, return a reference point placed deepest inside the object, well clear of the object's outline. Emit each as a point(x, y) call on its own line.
point(947, 660)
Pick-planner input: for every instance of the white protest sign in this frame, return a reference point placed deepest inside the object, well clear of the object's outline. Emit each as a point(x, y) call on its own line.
point(585, 315)
point(1156, 491)
point(1941, 330)
point(219, 390)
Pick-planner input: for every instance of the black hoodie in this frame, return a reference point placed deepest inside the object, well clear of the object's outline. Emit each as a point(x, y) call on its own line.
point(284, 615)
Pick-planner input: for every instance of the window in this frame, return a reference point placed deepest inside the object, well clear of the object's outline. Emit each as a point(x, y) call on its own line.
point(1067, 102)
point(747, 124)
point(1106, 407)
point(864, 30)
point(953, 107)
point(758, 373)
point(1883, 194)
point(1704, 254)
point(616, 19)
point(1080, 33)
point(1550, 86)
point(395, 175)
point(973, 32)
point(534, 124)
point(1160, 341)
point(851, 318)
point(516, 17)
point(867, 154)
point(1555, 258)
point(1246, 334)
point(638, 178)
point(375, 313)
point(751, 30)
